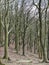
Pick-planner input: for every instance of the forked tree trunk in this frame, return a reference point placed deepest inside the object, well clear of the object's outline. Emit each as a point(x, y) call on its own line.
point(40, 20)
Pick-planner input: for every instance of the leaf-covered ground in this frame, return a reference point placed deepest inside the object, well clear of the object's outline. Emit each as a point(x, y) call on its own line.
point(18, 59)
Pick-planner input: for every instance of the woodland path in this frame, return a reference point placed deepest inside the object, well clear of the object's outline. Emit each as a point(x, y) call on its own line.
point(18, 59)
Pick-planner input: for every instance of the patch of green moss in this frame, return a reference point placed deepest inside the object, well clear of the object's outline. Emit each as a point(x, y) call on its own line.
point(1, 63)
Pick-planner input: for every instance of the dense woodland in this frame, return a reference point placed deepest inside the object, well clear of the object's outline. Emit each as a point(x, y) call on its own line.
point(25, 24)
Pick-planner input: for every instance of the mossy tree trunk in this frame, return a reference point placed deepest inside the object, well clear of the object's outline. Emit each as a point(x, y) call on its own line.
point(40, 20)
point(48, 35)
point(6, 30)
point(48, 44)
point(6, 42)
point(16, 26)
point(0, 27)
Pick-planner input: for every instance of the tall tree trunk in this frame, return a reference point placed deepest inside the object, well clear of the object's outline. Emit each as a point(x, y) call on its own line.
point(45, 44)
point(6, 30)
point(48, 44)
point(40, 19)
point(30, 42)
point(16, 39)
point(6, 42)
point(23, 37)
point(0, 27)
point(48, 35)
point(23, 41)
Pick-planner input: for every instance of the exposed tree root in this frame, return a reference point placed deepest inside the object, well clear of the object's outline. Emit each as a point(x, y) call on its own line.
point(44, 61)
point(7, 58)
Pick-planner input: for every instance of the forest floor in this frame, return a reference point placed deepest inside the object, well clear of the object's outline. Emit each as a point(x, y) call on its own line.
point(18, 59)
